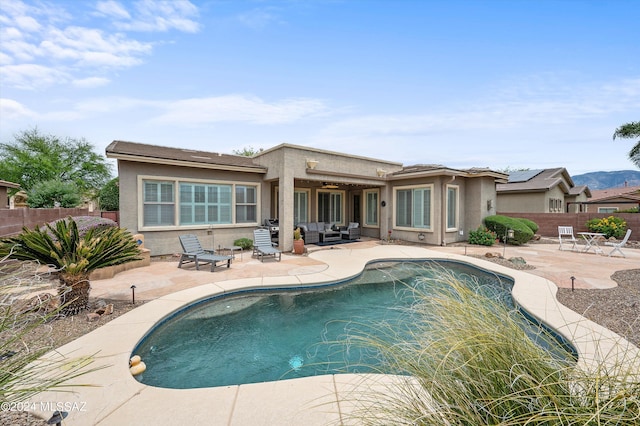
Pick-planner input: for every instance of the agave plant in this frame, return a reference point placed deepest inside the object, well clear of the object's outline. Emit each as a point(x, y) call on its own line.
point(62, 246)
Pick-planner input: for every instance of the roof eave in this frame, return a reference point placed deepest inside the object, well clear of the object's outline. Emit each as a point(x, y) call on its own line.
point(183, 163)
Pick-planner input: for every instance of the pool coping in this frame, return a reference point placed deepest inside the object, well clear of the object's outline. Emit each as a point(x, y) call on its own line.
point(117, 398)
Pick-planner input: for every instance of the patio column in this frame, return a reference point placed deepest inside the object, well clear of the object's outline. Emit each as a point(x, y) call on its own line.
point(285, 212)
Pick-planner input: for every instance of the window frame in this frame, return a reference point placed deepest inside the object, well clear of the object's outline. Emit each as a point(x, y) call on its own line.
point(412, 188)
point(365, 197)
point(176, 182)
point(332, 192)
point(456, 226)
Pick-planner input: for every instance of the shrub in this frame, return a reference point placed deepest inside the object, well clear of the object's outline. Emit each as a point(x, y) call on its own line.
point(245, 243)
point(501, 224)
point(482, 237)
point(54, 193)
point(531, 224)
point(20, 346)
point(73, 255)
point(468, 362)
point(110, 196)
point(611, 226)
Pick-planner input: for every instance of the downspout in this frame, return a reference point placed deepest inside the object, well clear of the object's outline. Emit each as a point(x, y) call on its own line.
point(443, 208)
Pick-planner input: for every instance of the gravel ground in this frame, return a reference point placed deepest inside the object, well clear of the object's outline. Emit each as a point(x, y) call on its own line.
point(618, 309)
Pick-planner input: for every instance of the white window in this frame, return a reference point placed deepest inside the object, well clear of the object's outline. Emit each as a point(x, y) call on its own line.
point(331, 206)
point(413, 207)
point(199, 203)
point(205, 204)
point(452, 207)
point(246, 204)
point(371, 207)
point(607, 209)
point(158, 205)
point(300, 206)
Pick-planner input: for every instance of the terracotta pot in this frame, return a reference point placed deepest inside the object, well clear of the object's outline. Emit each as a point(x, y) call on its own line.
point(298, 246)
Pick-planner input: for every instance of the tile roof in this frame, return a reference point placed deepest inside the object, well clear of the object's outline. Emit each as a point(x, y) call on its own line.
point(159, 154)
point(631, 192)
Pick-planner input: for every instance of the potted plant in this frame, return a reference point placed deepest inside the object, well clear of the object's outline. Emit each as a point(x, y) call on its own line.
point(298, 242)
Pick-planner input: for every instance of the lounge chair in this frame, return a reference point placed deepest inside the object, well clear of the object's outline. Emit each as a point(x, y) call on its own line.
point(262, 245)
point(617, 245)
point(192, 251)
point(567, 233)
point(351, 232)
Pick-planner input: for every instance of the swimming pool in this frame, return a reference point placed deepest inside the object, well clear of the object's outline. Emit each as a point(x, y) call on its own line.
point(266, 335)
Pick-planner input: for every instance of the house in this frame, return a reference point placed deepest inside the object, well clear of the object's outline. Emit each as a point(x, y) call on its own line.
point(541, 191)
point(4, 193)
point(165, 192)
point(614, 199)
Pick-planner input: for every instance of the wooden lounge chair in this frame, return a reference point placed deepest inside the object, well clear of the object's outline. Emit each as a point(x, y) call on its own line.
point(567, 233)
point(262, 245)
point(617, 245)
point(192, 251)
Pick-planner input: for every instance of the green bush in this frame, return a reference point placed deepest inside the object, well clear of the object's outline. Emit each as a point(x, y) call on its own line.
point(245, 243)
point(482, 237)
point(54, 193)
point(531, 224)
point(110, 196)
point(500, 224)
point(611, 226)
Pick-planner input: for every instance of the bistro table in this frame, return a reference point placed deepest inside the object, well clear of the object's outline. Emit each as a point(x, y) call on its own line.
point(591, 241)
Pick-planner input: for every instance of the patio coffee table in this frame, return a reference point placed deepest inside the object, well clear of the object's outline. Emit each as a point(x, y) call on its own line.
point(327, 236)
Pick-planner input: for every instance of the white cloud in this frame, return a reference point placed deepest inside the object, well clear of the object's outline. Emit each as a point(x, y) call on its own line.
point(14, 110)
point(38, 38)
point(31, 76)
point(152, 15)
point(91, 82)
point(112, 8)
point(237, 108)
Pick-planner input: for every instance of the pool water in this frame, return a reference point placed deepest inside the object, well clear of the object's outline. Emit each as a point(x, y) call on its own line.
point(266, 336)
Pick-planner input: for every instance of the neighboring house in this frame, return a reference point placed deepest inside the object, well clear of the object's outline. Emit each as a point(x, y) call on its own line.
point(4, 193)
point(614, 199)
point(166, 192)
point(541, 191)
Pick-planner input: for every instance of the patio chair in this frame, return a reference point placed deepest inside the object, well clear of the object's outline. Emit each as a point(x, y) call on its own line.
point(617, 245)
point(567, 233)
point(262, 245)
point(192, 251)
point(351, 232)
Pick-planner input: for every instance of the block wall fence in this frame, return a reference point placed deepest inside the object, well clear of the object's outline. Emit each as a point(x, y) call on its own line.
point(12, 220)
point(549, 222)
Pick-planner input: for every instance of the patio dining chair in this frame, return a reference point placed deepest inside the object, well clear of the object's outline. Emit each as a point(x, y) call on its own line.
point(192, 251)
point(566, 232)
point(617, 245)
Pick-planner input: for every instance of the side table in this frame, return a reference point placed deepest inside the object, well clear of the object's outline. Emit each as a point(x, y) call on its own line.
point(232, 249)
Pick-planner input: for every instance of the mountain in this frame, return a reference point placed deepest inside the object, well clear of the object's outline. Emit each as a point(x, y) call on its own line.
point(606, 180)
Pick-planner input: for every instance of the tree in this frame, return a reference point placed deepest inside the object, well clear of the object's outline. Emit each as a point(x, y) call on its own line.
point(110, 196)
point(75, 255)
point(630, 131)
point(247, 152)
point(54, 193)
point(35, 158)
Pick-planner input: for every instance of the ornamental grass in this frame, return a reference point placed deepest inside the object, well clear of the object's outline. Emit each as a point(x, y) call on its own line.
point(469, 361)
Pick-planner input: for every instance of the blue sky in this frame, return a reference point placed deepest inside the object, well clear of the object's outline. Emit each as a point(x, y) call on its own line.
point(518, 84)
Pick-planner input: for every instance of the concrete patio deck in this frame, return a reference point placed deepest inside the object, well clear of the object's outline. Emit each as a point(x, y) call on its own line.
point(118, 399)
